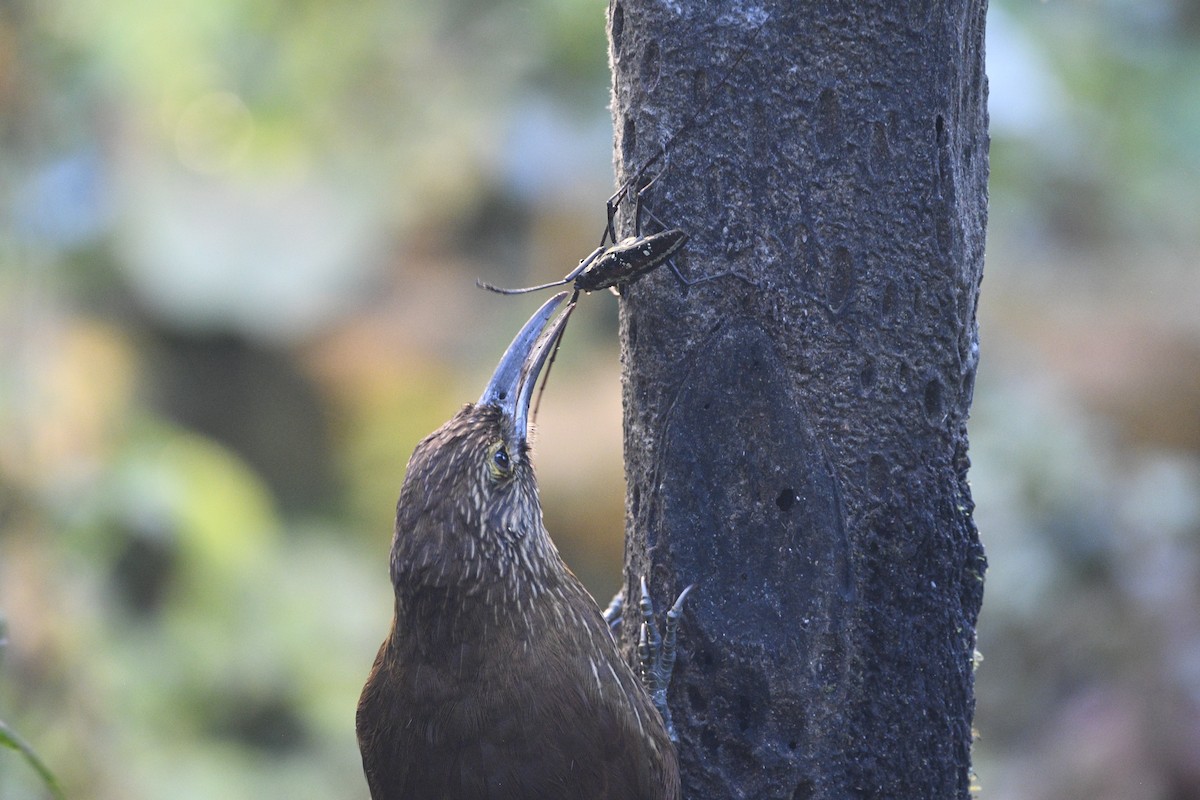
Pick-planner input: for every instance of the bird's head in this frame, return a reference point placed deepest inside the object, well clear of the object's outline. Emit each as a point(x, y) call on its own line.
point(469, 510)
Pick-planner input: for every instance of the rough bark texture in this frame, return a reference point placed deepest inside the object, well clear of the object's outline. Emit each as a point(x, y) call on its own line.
point(798, 448)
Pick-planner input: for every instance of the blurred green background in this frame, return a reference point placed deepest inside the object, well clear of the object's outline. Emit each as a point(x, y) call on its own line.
point(236, 287)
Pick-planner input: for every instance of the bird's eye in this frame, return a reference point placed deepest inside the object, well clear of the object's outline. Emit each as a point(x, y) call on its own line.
point(500, 463)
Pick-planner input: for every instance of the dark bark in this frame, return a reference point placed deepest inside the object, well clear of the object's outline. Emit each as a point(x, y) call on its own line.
point(798, 448)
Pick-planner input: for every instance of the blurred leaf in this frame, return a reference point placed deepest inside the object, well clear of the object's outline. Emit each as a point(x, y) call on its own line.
point(10, 739)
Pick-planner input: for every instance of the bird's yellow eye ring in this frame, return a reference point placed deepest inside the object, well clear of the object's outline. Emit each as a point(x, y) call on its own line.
point(499, 462)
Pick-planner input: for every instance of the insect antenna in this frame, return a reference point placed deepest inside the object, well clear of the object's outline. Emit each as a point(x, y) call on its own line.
point(523, 290)
point(568, 278)
point(640, 208)
point(618, 263)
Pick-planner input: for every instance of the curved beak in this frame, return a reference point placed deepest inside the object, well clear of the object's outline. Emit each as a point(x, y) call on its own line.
point(511, 386)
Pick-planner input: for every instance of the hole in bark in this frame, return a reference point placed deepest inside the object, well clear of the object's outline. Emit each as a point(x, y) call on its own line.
point(939, 128)
point(887, 305)
point(650, 66)
point(841, 279)
point(618, 26)
point(631, 332)
point(880, 151)
point(866, 377)
point(933, 399)
point(785, 500)
point(829, 119)
point(943, 233)
point(700, 89)
point(628, 141)
point(696, 700)
point(877, 473)
point(747, 714)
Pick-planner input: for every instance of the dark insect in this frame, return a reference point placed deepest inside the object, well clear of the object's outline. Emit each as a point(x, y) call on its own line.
point(615, 264)
point(621, 263)
point(612, 267)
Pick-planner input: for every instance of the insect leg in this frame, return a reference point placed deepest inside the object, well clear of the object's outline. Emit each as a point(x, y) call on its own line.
point(614, 202)
point(639, 200)
point(686, 282)
point(619, 196)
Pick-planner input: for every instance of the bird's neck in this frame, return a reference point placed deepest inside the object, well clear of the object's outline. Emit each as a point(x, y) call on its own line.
point(486, 567)
point(493, 596)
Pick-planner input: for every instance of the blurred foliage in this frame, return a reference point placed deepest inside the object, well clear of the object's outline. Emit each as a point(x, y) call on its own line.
point(236, 254)
point(10, 739)
point(1085, 436)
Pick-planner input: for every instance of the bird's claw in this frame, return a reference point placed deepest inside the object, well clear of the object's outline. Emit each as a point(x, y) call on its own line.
point(656, 654)
point(612, 614)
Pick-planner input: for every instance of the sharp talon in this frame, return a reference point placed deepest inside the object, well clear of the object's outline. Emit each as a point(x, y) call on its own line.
point(656, 654)
point(677, 609)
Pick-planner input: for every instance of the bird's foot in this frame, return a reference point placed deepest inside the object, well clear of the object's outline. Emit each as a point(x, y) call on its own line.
point(612, 614)
point(656, 654)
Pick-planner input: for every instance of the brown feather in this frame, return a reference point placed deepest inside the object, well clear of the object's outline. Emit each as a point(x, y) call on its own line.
point(499, 678)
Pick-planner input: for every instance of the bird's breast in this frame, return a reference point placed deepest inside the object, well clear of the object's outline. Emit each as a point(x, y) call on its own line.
point(532, 702)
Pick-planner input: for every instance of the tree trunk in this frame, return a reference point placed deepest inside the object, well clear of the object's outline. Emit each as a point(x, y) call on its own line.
point(798, 447)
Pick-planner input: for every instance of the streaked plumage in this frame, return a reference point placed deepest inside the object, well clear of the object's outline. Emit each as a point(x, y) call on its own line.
point(499, 678)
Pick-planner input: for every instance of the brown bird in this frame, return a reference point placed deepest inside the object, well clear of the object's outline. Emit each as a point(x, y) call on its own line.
point(500, 678)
